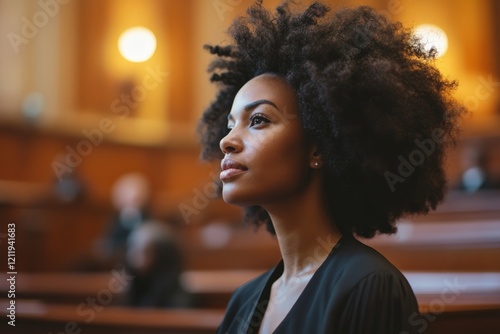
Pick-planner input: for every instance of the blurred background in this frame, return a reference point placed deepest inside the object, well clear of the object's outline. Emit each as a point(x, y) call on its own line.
point(99, 101)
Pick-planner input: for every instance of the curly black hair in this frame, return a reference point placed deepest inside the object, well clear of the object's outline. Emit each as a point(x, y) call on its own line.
point(369, 96)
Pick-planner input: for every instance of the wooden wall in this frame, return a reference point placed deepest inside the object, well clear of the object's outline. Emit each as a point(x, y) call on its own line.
point(58, 233)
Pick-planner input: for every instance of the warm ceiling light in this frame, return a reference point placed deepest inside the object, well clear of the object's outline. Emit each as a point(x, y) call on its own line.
point(432, 36)
point(137, 44)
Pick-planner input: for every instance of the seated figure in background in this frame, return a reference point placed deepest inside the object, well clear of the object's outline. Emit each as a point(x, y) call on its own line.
point(478, 169)
point(155, 261)
point(130, 195)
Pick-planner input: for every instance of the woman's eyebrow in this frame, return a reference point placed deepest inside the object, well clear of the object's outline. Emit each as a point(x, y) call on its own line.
point(253, 105)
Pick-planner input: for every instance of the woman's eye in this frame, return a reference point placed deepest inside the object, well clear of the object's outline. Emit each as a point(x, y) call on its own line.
point(258, 119)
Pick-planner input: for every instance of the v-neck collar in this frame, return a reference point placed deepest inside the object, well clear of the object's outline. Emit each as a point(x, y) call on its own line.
point(260, 306)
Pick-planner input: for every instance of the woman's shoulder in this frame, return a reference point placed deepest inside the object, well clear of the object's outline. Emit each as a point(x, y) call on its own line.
point(354, 262)
point(354, 254)
point(363, 284)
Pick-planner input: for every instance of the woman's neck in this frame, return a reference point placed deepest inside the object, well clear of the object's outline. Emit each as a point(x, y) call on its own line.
point(306, 234)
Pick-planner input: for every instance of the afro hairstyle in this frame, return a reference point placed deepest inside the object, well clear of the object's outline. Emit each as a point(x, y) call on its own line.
point(369, 96)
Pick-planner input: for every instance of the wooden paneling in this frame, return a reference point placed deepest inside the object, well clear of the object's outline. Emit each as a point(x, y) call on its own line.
point(65, 231)
point(103, 75)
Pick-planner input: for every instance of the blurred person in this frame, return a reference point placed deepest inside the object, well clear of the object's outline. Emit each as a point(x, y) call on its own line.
point(312, 112)
point(68, 186)
point(478, 171)
point(155, 261)
point(130, 196)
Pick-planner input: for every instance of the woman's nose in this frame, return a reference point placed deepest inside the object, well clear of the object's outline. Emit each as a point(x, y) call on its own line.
point(230, 143)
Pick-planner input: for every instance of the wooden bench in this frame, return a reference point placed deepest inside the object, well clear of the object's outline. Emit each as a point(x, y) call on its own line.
point(214, 288)
point(469, 245)
point(451, 238)
point(450, 303)
point(427, 245)
point(463, 234)
point(37, 317)
point(466, 321)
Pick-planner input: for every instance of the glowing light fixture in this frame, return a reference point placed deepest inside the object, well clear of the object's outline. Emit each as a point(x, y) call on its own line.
point(137, 44)
point(432, 36)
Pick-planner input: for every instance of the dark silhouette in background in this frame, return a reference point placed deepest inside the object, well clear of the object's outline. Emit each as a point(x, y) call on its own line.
point(155, 261)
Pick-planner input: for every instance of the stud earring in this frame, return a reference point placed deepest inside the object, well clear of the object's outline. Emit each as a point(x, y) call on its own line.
point(316, 164)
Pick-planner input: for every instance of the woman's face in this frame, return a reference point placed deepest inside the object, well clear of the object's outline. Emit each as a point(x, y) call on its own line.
point(267, 157)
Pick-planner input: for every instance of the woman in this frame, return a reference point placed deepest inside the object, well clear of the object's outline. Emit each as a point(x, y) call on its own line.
point(313, 118)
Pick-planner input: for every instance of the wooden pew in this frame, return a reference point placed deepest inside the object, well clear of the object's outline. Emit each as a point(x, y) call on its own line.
point(477, 321)
point(37, 317)
point(467, 245)
point(427, 245)
point(211, 288)
point(44, 226)
point(68, 288)
point(450, 303)
point(463, 234)
point(244, 249)
point(214, 288)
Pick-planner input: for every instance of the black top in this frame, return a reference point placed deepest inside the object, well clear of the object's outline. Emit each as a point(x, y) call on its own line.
point(355, 290)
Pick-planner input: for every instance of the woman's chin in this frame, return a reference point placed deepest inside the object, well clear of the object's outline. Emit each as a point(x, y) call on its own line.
point(235, 198)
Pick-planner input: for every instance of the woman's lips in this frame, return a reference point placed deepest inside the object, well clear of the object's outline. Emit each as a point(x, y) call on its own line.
point(231, 168)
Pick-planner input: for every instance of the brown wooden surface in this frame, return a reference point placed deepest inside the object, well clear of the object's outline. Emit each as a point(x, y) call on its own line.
point(463, 322)
point(434, 290)
point(38, 317)
point(447, 245)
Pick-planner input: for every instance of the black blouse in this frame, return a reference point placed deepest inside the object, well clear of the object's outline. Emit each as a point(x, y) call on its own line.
point(355, 290)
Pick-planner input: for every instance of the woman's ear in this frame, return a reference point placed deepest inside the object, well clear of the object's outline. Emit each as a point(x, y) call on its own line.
point(315, 160)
